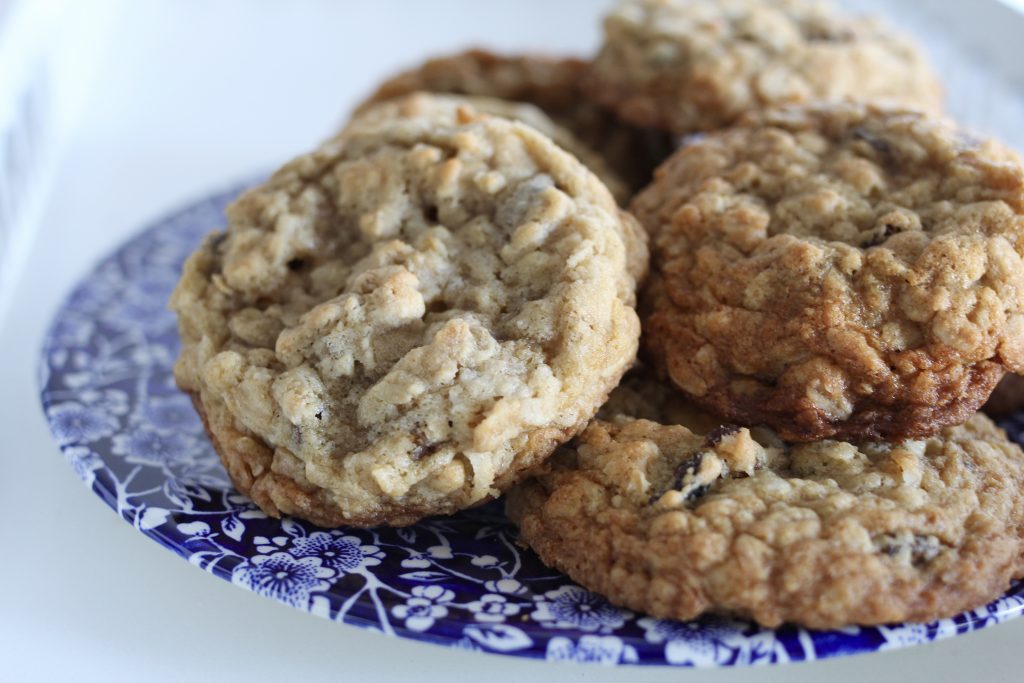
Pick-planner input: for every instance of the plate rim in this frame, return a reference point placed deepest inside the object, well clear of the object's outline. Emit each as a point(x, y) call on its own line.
point(220, 197)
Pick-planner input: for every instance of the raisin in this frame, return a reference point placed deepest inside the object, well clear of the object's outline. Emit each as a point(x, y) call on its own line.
point(716, 435)
point(696, 492)
point(425, 450)
point(922, 549)
point(881, 235)
point(690, 466)
point(879, 144)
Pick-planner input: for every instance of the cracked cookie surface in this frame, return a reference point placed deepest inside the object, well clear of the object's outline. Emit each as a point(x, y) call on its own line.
point(405, 320)
point(552, 84)
point(692, 65)
point(837, 271)
point(676, 521)
point(514, 111)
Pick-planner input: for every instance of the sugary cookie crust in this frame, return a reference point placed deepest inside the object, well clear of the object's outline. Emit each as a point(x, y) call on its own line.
point(691, 65)
point(840, 271)
point(554, 85)
point(403, 321)
point(674, 523)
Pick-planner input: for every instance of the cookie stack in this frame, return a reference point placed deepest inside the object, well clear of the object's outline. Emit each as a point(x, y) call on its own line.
point(429, 310)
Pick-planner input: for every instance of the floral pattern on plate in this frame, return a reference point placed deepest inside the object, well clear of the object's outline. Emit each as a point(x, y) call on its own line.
point(109, 395)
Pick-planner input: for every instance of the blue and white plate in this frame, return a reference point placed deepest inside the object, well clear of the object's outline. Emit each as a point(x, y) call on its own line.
point(109, 395)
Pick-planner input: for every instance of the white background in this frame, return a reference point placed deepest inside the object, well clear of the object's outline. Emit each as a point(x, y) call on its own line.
point(191, 97)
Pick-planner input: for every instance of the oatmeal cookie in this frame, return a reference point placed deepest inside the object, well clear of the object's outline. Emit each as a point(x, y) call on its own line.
point(403, 321)
point(422, 104)
point(676, 523)
point(837, 270)
point(550, 83)
point(515, 111)
point(693, 65)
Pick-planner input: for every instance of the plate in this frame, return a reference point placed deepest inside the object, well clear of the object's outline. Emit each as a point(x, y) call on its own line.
point(109, 396)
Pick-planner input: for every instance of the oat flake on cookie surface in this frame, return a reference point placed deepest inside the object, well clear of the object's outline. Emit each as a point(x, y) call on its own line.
point(405, 320)
point(693, 65)
point(677, 521)
point(837, 270)
point(522, 112)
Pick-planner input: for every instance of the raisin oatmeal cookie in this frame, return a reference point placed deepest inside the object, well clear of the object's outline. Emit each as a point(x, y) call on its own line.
point(675, 523)
point(422, 104)
point(550, 83)
point(837, 270)
point(405, 320)
point(691, 65)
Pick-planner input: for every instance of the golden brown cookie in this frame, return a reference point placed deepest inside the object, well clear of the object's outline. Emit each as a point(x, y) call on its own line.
point(693, 65)
point(676, 523)
point(514, 111)
point(401, 322)
point(422, 104)
point(554, 85)
point(837, 270)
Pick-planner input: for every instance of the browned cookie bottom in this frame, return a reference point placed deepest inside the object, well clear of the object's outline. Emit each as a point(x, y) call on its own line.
point(248, 462)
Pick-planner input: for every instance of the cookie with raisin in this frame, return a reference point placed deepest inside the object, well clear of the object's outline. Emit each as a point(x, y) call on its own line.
point(697, 65)
point(837, 271)
point(677, 521)
point(404, 321)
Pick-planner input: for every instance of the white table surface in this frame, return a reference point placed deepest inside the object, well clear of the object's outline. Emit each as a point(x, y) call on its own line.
point(192, 96)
